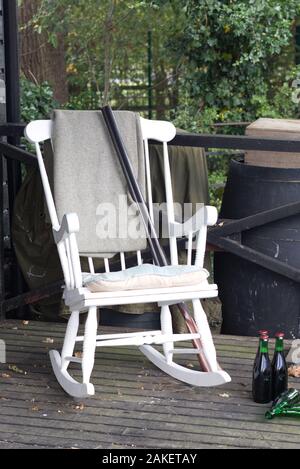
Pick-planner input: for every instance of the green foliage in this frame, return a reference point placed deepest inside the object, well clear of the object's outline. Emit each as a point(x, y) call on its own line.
point(220, 60)
point(238, 65)
point(37, 101)
point(220, 56)
point(278, 102)
point(216, 181)
point(231, 51)
point(187, 117)
point(106, 44)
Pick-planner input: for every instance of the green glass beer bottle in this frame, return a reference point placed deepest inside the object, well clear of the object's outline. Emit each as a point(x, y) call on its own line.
point(261, 334)
point(279, 368)
point(262, 374)
point(287, 400)
point(291, 412)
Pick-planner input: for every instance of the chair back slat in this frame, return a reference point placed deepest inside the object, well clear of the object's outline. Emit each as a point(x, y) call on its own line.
point(189, 248)
point(139, 257)
point(122, 259)
point(91, 265)
point(106, 265)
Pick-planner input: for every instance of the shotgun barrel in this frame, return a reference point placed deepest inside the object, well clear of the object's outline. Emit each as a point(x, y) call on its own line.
point(158, 253)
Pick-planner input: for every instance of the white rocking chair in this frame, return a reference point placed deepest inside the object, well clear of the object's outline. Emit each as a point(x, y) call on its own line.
point(80, 299)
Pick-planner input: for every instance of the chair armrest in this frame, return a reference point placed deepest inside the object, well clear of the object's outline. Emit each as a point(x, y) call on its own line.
point(205, 216)
point(211, 215)
point(69, 224)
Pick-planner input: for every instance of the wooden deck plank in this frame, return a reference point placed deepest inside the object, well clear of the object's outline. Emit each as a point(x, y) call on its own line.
point(177, 423)
point(136, 405)
point(110, 442)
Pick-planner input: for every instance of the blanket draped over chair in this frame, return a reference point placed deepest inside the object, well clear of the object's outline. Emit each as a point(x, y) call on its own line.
point(95, 177)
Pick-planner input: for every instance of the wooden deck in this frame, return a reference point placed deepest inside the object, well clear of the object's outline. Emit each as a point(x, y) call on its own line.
point(136, 405)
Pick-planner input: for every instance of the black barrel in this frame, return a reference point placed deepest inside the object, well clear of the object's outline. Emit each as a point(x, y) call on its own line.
point(253, 297)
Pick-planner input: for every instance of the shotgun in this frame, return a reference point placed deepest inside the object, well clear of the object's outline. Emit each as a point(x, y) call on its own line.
point(158, 253)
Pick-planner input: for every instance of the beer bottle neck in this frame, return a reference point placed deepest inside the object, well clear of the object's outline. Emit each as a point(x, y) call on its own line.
point(263, 346)
point(279, 344)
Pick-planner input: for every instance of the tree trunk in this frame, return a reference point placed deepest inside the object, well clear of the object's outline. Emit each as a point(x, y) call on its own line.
point(108, 38)
point(40, 61)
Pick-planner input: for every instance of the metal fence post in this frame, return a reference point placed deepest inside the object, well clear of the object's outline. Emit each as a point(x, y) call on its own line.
point(12, 83)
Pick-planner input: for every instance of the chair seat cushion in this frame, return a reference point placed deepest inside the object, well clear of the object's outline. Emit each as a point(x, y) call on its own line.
point(145, 276)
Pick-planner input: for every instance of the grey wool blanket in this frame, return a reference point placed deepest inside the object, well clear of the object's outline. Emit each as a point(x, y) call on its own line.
point(88, 180)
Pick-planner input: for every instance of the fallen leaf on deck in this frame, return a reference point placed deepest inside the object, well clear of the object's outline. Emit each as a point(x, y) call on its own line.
point(15, 369)
point(48, 340)
point(294, 371)
point(78, 354)
point(5, 375)
point(224, 394)
point(35, 408)
point(79, 406)
point(190, 365)
point(25, 323)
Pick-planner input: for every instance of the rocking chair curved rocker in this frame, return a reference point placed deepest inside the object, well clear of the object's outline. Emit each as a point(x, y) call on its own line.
point(80, 299)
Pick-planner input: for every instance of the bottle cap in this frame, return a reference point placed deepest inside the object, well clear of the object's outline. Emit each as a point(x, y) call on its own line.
point(280, 335)
point(264, 337)
point(263, 332)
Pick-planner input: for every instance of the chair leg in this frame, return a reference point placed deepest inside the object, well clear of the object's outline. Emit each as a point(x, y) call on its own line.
point(70, 337)
point(165, 362)
point(89, 344)
point(167, 328)
point(206, 337)
point(60, 362)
